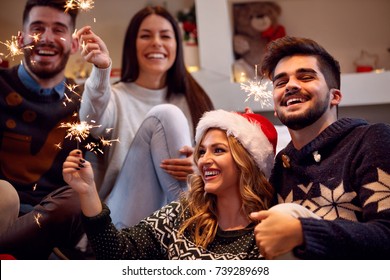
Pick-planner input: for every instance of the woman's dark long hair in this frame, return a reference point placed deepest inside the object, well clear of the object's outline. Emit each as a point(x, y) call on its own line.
point(179, 80)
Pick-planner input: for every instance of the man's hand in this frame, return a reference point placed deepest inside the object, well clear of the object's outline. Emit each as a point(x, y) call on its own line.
point(277, 233)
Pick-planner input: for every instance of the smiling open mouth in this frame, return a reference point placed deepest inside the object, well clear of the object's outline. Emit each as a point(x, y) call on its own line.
point(211, 173)
point(46, 52)
point(293, 101)
point(156, 56)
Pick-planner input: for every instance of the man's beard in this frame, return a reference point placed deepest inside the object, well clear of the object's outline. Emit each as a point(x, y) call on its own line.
point(307, 118)
point(42, 72)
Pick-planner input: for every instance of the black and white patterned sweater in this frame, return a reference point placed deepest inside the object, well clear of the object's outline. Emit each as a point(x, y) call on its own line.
point(156, 237)
point(344, 177)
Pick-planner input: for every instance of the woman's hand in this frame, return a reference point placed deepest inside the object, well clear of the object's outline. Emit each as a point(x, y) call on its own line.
point(92, 47)
point(78, 174)
point(180, 168)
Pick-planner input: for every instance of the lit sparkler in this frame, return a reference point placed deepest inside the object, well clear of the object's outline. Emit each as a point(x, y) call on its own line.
point(14, 48)
point(83, 5)
point(78, 130)
point(70, 5)
point(259, 89)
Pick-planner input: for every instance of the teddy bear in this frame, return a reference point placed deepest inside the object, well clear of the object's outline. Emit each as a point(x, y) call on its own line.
point(255, 25)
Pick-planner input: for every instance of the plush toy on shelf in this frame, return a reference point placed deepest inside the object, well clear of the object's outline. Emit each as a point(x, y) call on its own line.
point(255, 25)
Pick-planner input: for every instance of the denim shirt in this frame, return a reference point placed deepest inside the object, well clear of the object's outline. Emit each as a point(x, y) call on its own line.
point(32, 85)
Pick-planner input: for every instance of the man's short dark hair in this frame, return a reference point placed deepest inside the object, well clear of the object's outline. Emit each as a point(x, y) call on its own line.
point(56, 4)
point(289, 46)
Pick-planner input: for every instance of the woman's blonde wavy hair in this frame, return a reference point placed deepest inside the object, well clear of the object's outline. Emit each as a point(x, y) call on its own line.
point(255, 190)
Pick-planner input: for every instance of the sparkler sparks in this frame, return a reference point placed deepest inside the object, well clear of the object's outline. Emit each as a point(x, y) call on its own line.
point(71, 88)
point(259, 89)
point(13, 47)
point(106, 142)
point(70, 5)
point(35, 37)
point(78, 131)
point(83, 46)
point(37, 217)
point(83, 5)
point(97, 147)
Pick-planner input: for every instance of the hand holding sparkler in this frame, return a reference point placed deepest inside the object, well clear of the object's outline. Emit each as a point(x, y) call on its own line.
point(78, 174)
point(93, 49)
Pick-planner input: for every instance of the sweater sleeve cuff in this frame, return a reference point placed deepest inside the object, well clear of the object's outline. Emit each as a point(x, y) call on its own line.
point(98, 222)
point(99, 77)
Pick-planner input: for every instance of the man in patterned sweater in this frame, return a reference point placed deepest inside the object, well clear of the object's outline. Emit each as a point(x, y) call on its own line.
point(34, 101)
point(337, 169)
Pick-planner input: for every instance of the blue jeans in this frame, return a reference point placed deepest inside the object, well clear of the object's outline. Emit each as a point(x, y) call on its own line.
point(142, 186)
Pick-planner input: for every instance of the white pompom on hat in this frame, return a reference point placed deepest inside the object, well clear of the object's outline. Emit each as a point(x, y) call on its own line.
point(255, 133)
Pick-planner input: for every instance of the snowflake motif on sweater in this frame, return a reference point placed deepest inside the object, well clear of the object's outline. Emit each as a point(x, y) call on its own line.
point(381, 190)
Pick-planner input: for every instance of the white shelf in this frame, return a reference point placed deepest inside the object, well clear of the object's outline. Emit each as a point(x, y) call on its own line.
point(357, 89)
point(365, 88)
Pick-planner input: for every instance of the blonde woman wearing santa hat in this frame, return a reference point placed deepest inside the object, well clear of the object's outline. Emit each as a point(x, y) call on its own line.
point(234, 155)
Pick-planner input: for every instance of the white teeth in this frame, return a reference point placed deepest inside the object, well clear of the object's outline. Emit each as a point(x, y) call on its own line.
point(45, 52)
point(156, 55)
point(294, 100)
point(211, 173)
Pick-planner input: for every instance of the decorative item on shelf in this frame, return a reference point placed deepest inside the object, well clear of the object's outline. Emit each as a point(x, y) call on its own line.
point(255, 24)
point(366, 62)
point(187, 22)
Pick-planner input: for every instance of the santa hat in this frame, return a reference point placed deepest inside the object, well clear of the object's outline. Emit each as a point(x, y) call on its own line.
point(255, 133)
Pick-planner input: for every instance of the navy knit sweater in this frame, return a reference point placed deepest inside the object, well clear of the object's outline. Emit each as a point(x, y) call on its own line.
point(32, 146)
point(344, 177)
